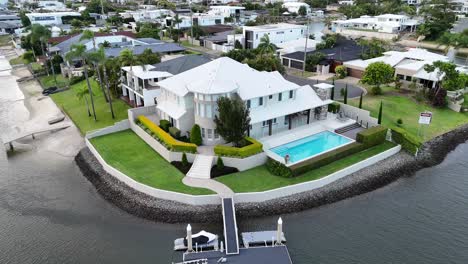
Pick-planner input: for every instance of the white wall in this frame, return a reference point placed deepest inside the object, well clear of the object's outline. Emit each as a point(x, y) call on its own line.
point(360, 114)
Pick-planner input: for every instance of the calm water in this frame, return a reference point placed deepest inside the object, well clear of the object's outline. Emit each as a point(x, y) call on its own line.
point(311, 145)
point(50, 214)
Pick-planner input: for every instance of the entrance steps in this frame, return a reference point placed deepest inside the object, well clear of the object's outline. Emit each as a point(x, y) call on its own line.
point(347, 128)
point(201, 167)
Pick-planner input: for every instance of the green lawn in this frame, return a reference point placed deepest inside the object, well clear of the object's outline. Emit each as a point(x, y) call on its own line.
point(407, 108)
point(260, 179)
point(18, 60)
point(129, 154)
point(77, 111)
point(48, 81)
point(4, 39)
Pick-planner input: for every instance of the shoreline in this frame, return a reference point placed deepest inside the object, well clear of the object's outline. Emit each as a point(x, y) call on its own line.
point(366, 180)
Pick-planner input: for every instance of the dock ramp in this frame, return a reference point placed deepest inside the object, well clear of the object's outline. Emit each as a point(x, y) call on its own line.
point(231, 238)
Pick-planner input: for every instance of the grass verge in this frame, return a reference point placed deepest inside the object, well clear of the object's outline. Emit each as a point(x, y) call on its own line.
point(77, 111)
point(260, 179)
point(129, 154)
point(48, 81)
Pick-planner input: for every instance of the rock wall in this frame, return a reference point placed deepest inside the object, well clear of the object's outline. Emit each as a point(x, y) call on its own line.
point(365, 180)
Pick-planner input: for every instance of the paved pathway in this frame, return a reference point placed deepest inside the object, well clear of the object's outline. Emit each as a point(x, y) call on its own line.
point(222, 190)
point(201, 167)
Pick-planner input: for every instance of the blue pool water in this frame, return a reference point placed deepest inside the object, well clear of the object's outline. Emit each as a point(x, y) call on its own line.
point(310, 146)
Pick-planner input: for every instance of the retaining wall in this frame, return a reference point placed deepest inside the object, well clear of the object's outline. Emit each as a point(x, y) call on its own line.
point(358, 114)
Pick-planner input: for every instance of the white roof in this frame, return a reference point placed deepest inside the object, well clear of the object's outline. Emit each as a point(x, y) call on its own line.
point(227, 7)
point(53, 14)
point(279, 26)
point(171, 109)
point(141, 73)
point(306, 98)
point(225, 75)
point(297, 45)
point(323, 86)
point(295, 4)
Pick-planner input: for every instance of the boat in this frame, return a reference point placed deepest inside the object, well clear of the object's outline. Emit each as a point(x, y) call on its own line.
point(201, 240)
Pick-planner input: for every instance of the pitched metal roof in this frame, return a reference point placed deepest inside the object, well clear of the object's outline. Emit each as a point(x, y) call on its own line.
point(181, 64)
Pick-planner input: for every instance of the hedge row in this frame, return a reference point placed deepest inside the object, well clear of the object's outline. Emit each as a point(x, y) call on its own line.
point(252, 149)
point(334, 107)
point(372, 136)
point(407, 141)
point(165, 138)
point(326, 158)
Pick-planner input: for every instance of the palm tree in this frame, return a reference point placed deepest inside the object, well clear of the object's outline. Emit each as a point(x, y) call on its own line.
point(94, 58)
point(82, 93)
point(265, 46)
point(78, 52)
point(41, 35)
point(99, 58)
point(127, 58)
point(177, 20)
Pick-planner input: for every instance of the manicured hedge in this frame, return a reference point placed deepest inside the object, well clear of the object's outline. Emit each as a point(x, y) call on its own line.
point(326, 158)
point(174, 132)
point(252, 149)
point(407, 141)
point(372, 136)
point(334, 107)
point(165, 138)
point(278, 168)
point(164, 124)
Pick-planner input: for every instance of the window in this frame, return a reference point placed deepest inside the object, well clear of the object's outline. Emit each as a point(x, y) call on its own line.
point(280, 32)
point(203, 132)
point(248, 104)
point(274, 121)
point(202, 110)
point(280, 96)
point(210, 133)
point(208, 111)
point(270, 96)
point(256, 36)
point(216, 135)
point(291, 93)
point(260, 101)
point(408, 78)
point(286, 119)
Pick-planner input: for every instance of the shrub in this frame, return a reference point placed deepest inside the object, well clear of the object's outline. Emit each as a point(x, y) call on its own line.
point(407, 141)
point(334, 107)
point(340, 71)
point(326, 158)
point(184, 160)
point(376, 90)
point(253, 148)
point(165, 138)
point(278, 168)
point(399, 122)
point(174, 132)
point(372, 136)
point(398, 84)
point(77, 79)
point(195, 135)
point(164, 124)
point(220, 163)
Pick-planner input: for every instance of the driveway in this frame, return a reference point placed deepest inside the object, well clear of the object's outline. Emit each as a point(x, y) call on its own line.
point(353, 89)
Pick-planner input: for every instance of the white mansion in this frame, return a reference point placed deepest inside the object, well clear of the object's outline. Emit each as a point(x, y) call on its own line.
point(275, 104)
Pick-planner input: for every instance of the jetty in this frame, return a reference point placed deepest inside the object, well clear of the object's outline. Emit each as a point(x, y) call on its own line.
point(11, 139)
point(258, 247)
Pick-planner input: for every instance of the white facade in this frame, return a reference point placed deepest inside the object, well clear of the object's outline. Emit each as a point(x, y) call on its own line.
point(147, 14)
point(51, 5)
point(346, 2)
point(278, 33)
point(386, 23)
point(50, 19)
point(226, 11)
point(198, 19)
point(275, 104)
point(293, 7)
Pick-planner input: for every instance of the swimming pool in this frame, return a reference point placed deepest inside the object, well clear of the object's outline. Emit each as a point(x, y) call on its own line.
point(310, 146)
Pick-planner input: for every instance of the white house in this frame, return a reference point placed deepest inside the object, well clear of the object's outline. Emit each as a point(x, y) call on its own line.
point(346, 2)
point(278, 33)
point(226, 11)
point(147, 14)
point(293, 7)
point(51, 5)
point(408, 65)
point(198, 19)
point(387, 23)
point(275, 104)
point(50, 19)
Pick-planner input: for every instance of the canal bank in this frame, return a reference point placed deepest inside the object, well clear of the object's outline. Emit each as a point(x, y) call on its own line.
point(368, 179)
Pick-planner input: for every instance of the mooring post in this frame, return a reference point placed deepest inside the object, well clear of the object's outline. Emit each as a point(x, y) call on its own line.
point(189, 238)
point(279, 232)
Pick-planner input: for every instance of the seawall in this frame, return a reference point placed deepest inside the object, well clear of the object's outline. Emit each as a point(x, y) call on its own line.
point(373, 177)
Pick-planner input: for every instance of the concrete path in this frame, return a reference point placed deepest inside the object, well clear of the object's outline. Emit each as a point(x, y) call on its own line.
point(201, 167)
point(222, 190)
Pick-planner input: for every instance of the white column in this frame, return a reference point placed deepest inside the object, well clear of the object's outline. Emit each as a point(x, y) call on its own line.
point(279, 232)
point(189, 238)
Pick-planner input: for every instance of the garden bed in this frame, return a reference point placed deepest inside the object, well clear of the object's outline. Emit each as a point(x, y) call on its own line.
point(218, 172)
point(181, 167)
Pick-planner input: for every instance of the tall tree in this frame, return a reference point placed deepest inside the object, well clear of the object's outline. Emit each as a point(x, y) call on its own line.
point(95, 57)
point(379, 120)
point(78, 52)
point(438, 18)
point(233, 119)
point(266, 46)
point(82, 93)
point(378, 73)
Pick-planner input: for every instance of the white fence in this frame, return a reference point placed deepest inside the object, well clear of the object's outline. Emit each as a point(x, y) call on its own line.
point(119, 126)
point(362, 116)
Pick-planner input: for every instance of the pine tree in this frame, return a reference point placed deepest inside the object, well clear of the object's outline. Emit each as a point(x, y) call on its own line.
point(379, 121)
point(345, 101)
point(360, 101)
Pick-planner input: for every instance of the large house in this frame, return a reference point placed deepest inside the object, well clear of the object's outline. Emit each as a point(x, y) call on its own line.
point(275, 104)
point(51, 19)
point(387, 23)
point(278, 33)
point(408, 65)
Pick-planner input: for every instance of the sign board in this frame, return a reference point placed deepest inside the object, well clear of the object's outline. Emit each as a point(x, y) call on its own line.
point(425, 118)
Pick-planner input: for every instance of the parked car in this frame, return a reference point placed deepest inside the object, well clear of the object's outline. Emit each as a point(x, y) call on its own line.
point(50, 90)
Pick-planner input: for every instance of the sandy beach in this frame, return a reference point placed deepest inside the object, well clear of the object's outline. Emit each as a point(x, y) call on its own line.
point(24, 110)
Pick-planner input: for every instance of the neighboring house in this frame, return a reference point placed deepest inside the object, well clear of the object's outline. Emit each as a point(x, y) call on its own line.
point(293, 7)
point(140, 84)
point(52, 5)
point(347, 2)
point(147, 14)
point(222, 2)
point(226, 11)
point(408, 65)
point(275, 104)
point(387, 23)
point(50, 19)
point(198, 20)
point(343, 51)
point(9, 23)
point(278, 33)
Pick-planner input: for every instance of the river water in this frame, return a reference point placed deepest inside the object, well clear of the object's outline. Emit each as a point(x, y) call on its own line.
point(49, 213)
